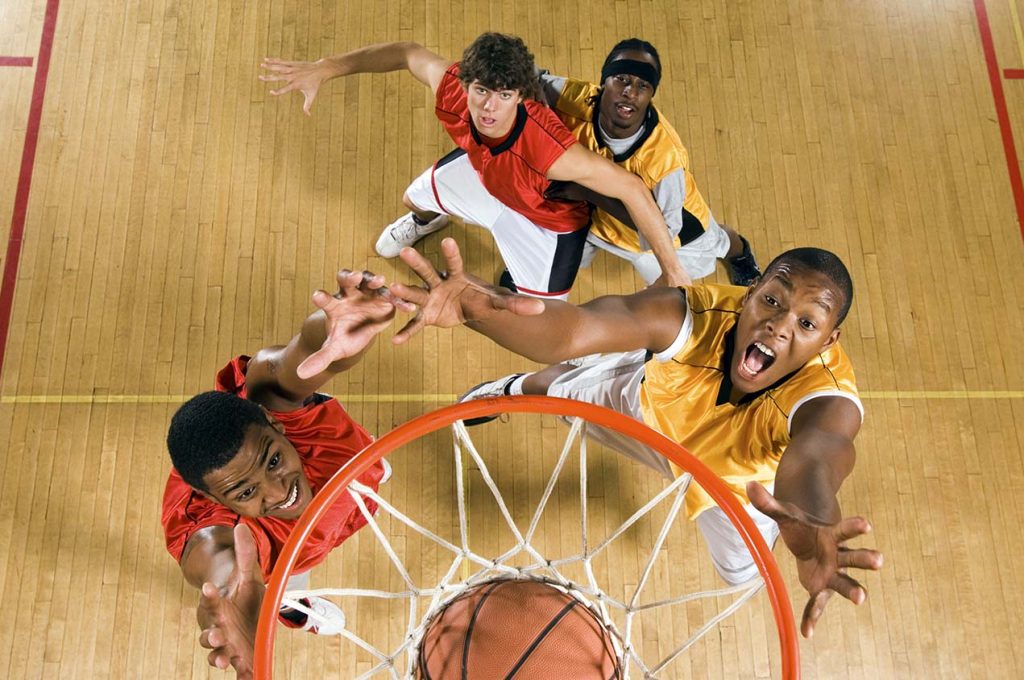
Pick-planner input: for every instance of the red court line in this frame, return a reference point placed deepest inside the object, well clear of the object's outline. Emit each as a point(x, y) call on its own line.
point(15, 61)
point(1013, 73)
point(1002, 114)
point(28, 159)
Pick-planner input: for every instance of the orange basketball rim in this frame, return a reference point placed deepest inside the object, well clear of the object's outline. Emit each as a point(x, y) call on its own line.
point(444, 417)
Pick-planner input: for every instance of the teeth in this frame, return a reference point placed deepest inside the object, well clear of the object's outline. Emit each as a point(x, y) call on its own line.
point(764, 348)
point(291, 499)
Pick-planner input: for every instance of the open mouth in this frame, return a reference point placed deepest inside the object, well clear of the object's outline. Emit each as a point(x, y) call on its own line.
point(625, 110)
point(758, 358)
point(293, 497)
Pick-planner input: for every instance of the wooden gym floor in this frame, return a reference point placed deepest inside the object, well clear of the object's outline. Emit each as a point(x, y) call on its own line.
point(163, 213)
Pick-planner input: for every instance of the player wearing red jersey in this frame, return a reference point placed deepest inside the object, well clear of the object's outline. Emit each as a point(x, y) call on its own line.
point(249, 457)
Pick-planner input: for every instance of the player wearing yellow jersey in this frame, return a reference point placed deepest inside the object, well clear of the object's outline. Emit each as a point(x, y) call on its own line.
point(618, 120)
point(752, 381)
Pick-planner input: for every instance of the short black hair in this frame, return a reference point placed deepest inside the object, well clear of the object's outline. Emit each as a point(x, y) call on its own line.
point(500, 62)
point(207, 432)
point(824, 262)
point(632, 45)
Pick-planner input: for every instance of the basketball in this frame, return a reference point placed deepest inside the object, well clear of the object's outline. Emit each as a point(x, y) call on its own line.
point(516, 629)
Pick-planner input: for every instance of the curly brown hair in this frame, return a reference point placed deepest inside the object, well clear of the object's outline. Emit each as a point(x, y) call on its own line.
point(500, 62)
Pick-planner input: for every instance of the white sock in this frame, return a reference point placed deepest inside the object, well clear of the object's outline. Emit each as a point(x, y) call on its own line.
point(515, 388)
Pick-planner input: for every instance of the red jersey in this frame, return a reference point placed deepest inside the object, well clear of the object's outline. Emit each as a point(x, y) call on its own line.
point(325, 437)
point(514, 171)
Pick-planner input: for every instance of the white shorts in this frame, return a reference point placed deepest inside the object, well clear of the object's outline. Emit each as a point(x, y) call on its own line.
point(543, 263)
point(698, 257)
point(613, 381)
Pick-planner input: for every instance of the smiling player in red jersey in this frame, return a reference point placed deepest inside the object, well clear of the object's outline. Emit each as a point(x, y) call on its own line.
point(248, 459)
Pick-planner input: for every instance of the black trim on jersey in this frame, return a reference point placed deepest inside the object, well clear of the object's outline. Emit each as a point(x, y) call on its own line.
point(692, 229)
point(726, 387)
point(650, 122)
point(835, 384)
point(449, 157)
point(521, 116)
point(566, 262)
point(317, 398)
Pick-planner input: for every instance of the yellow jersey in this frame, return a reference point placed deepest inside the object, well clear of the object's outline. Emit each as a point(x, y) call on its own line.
point(653, 157)
point(686, 397)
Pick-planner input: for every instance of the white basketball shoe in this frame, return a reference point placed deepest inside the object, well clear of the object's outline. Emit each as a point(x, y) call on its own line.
point(405, 231)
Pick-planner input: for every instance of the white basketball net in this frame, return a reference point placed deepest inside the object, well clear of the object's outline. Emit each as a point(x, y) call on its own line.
point(538, 567)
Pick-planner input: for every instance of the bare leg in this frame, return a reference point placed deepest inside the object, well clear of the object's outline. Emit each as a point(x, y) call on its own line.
point(740, 261)
point(539, 382)
point(423, 215)
point(735, 244)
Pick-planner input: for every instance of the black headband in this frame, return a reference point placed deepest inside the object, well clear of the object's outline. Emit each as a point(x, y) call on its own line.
point(640, 69)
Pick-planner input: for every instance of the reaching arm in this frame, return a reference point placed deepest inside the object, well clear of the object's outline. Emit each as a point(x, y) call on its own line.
point(819, 457)
point(222, 562)
point(599, 174)
point(547, 332)
point(332, 340)
point(307, 76)
point(648, 320)
point(209, 557)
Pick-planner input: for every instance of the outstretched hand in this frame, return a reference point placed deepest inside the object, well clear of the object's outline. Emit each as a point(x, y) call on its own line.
point(821, 553)
point(453, 297)
point(228, 616)
point(362, 307)
point(301, 76)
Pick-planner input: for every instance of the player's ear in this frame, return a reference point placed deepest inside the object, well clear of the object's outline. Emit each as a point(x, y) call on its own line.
point(750, 290)
point(271, 420)
point(833, 338)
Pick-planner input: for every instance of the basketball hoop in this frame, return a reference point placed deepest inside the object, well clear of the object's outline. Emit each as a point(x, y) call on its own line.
point(525, 560)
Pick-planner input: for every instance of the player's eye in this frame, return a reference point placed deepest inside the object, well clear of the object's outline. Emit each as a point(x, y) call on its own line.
point(807, 324)
point(247, 494)
point(771, 300)
point(274, 460)
point(506, 95)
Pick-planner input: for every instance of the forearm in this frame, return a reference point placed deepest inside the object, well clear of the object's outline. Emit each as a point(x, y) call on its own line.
point(379, 58)
point(613, 323)
point(651, 224)
point(547, 338)
point(812, 482)
point(612, 206)
point(209, 557)
point(812, 488)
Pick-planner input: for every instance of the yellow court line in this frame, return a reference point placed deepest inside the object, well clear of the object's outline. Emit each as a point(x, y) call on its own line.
point(1017, 30)
point(449, 398)
point(181, 398)
point(942, 394)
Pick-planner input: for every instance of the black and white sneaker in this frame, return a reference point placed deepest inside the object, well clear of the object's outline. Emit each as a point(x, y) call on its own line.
point(493, 388)
point(743, 269)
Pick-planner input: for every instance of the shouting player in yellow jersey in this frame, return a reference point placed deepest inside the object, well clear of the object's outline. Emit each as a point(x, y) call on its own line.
point(752, 381)
point(618, 120)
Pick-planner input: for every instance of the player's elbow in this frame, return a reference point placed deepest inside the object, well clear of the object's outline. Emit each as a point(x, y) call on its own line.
point(633, 191)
